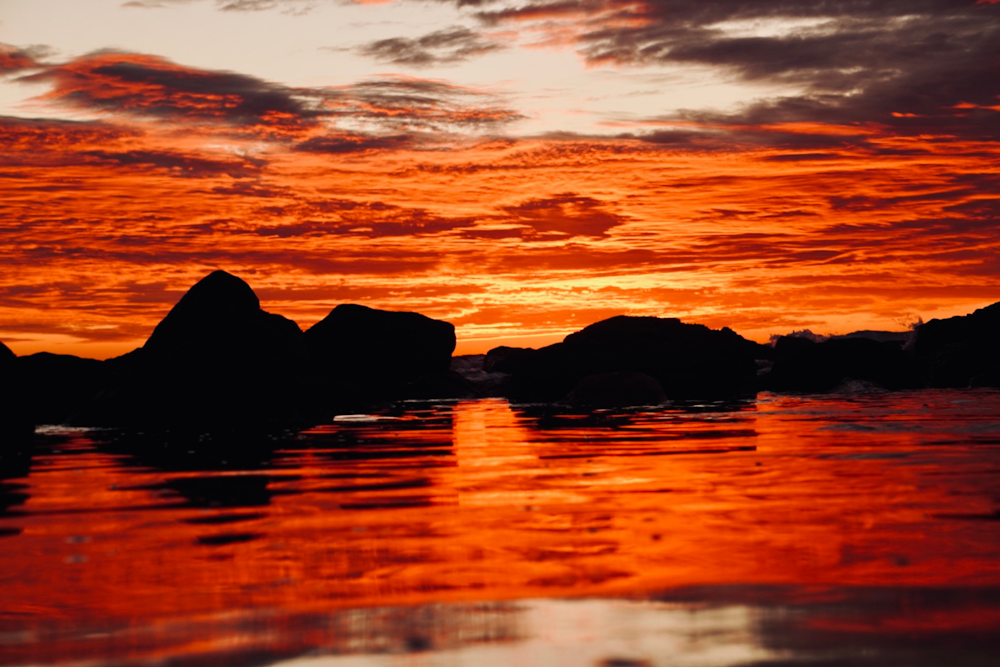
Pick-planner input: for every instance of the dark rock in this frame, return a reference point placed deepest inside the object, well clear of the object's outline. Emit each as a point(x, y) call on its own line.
point(379, 352)
point(880, 336)
point(960, 351)
point(16, 423)
point(688, 360)
point(215, 359)
point(508, 359)
point(790, 346)
point(617, 390)
point(806, 367)
point(57, 386)
point(482, 382)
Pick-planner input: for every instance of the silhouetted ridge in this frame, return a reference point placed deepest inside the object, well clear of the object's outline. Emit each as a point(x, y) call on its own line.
point(6, 356)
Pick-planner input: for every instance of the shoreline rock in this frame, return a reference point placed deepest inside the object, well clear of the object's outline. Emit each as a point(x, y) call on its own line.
point(217, 360)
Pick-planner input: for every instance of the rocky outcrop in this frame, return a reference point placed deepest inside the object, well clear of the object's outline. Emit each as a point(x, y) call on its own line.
point(482, 383)
point(616, 390)
point(58, 386)
point(960, 351)
point(377, 353)
point(804, 366)
point(689, 361)
point(16, 423)
point(508, 360)
point(215, 359)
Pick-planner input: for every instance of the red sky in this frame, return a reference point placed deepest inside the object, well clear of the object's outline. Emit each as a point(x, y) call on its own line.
point(778, 166)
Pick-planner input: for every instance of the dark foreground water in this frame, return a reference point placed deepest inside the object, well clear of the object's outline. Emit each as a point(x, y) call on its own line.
point(850, 530)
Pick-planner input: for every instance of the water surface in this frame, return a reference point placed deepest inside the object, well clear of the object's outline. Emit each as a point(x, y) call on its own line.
point(838, 530)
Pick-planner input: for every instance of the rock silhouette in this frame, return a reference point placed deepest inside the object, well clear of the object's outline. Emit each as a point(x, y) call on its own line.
point(616, 390)
point(690, 361)
point(16, 423)
point(805, 366)
point(960, 351)
point(58, 386)
point(508, 360)
point(378, 352)
point(215, 359)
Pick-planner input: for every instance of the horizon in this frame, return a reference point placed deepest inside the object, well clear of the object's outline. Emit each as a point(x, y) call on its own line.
point(518, 168)
point(461, 350)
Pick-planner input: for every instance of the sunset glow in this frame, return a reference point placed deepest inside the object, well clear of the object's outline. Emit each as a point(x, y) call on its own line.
point(519, 170)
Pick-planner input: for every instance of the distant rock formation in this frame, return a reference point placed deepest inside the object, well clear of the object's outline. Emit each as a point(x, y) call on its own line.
point(508, 360)
point(689, 361)
point(804, 366)
point(481, 382)
point(960, 351)
point(380, 352)
point(215, 359)
point(879, 336)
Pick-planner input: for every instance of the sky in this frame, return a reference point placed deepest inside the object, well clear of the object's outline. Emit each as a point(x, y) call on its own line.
point(520, 168)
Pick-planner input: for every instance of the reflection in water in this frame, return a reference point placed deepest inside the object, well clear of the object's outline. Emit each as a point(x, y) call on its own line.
point(849, 530)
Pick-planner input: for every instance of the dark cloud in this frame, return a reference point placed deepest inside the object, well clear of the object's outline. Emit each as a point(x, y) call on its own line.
point(442, 47)
point(412, 103)
point(27, 136)
point(14, 59)
point(354, 142)
point(917, 66)
point(152, 87)
point(185, 165)
point(564, 216)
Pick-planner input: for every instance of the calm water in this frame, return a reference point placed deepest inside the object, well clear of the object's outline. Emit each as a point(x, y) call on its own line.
point(809, 530)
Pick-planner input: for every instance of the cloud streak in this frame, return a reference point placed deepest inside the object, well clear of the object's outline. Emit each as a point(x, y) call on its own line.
point(441, 47)
point(911, 65)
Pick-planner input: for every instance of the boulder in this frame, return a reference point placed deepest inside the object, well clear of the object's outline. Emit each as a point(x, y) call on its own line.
point(803, 366)
point(617, 390)
point(216, 359)
point(960, 351)
point(690, 361)
point(483, 383)
point(508, 360)
point(16, 424)
point(58, 386)
point(377, 353)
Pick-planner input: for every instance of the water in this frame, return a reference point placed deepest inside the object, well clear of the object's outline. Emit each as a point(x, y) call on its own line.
point(850, 530)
